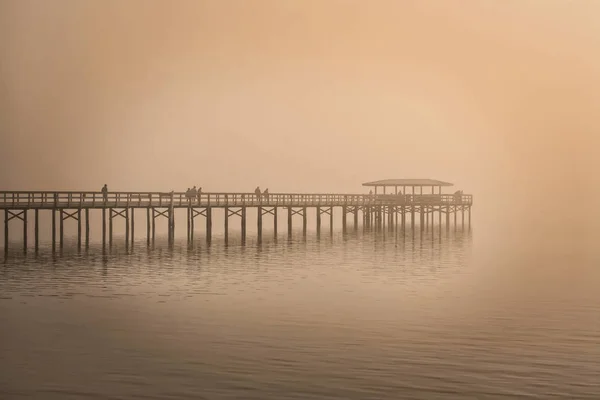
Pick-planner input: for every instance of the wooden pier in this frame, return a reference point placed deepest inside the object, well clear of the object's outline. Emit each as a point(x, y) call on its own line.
point(374, 211)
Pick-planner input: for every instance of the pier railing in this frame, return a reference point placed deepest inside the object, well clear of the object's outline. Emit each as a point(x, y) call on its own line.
point(36, 199)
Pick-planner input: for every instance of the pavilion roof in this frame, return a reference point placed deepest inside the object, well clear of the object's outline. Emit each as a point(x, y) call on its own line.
point(408, 182)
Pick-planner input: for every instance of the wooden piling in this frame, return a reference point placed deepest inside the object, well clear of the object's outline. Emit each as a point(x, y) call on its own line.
point(344, 218)
point(331, 220)
point(226, 224)
point(259, 221)
point(318, 219)
point(275, 222)
point(132, 224)
point(5, 230)
point(79, 228)
point(208, 224)
point(87, 227)
point(61, 231)
point(356, 218)
point(148, 222)
point(244, 222)
point(304, 220)
point(36, 229)
point(289, 221)
point(103, 226)
point(153, 224)
point(126, 226)
point(53, 229)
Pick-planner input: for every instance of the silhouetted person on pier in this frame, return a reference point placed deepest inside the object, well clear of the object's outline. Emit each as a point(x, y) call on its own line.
point(266, 194)
point(104, 193)
point(257, 192)
point(199, 194)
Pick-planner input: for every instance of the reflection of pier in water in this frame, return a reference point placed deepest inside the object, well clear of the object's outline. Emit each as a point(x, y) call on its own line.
point(381, 212)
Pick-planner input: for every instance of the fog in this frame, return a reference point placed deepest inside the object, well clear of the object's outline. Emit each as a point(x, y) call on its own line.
point(500, 98)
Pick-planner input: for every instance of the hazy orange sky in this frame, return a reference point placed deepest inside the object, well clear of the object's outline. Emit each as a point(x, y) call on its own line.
point(302, 95)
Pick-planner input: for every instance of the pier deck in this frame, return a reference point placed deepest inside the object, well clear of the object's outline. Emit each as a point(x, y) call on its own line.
point(378, 211)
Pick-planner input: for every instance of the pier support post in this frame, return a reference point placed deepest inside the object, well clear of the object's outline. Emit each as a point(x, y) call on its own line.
point(422, 218)
point(103, 226)
point(79, 228)
point(148, 225)
point(259, 221)
point(208, 224)
point(331, 220)
point(192, 224)
point(5, 230)
point(37, 229)
point(110, 226)
point(62, 231)
point(289, 221)
point(243, 215)
point(87, 227)
point(455, 223)
point(153, 224)
point(356, 218)
point(462, 215)
point(318, 220)
point(447, 218)
point(132, 224)
point(344, 218)
point(226, 225)
point(189, 222)
point(403, 219)
point(127, 227)
point(24, 230)
point(412, 217)
point(427, 217)
point(304, 220)
point(275, 222)
point(53, 229)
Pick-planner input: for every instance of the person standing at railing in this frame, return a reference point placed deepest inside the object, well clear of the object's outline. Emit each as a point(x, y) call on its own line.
point(193, 193)
point(258, 193)
point(266, 194)
point(104, 193)
point(199, 194)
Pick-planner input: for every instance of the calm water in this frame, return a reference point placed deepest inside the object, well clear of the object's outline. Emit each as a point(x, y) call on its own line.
point(361, 316)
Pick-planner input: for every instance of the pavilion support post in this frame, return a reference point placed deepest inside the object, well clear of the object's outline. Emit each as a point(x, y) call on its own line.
point(469, 210)
point(208, 224)
point(37, 229)
point(455, 222)
point(87, 227)
point(79, 228)
point(289, 221)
